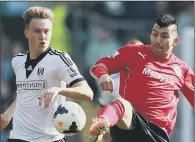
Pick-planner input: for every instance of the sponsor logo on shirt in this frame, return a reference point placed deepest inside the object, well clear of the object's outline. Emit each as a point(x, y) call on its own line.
point(29, 68)
point(31, 85)
point(162, 77)
point(143, 56)
point(72, 72)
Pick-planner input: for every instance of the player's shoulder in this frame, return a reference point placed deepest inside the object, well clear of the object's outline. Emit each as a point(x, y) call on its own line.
point(19, 54)
point(180, 63)
point(136, 47)
point(19, 57)
point(57, 52)
point(60, 56)
point(133, 50)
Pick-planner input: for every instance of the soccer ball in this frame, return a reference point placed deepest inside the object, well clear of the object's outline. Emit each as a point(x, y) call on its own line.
point(69, 118)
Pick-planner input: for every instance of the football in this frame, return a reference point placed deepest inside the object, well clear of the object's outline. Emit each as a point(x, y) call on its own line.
point(69, 118)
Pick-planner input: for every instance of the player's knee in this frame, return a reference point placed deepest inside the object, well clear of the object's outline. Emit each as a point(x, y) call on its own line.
point(126, 122)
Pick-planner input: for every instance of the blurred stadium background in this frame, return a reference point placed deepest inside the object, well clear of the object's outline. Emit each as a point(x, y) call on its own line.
point(90, 30)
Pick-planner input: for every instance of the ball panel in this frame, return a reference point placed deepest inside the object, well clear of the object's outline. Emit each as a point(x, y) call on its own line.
point(69, 118)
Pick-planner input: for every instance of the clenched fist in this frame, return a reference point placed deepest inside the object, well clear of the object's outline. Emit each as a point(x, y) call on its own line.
point(106, 83)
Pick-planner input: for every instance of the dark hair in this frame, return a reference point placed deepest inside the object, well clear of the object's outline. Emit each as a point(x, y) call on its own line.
point(166, 20)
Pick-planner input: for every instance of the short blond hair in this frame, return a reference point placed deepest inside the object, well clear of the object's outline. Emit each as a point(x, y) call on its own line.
point(37, 12)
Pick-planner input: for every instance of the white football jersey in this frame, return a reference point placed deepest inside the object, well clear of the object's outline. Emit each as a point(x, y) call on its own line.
point(52, 68)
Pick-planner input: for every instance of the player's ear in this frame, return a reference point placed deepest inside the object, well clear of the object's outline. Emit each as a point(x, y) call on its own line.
point(175, 41)
point(26, 33)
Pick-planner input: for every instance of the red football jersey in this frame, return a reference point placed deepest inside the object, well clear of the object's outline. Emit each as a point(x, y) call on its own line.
point(151, 84)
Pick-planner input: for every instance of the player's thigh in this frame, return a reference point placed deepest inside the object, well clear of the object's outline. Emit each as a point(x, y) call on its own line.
point(142, 131)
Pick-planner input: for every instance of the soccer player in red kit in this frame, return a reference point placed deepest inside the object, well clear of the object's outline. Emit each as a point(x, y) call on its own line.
point(147, 110)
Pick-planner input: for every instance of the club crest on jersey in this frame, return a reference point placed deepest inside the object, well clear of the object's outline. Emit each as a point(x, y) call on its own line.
point(113, 55)
point(40, 71)
point(177, 70)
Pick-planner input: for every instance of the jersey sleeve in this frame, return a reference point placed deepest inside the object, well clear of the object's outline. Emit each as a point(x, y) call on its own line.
point(188, 87)
point(118, 60)
point(17, 60)
point(67, 70)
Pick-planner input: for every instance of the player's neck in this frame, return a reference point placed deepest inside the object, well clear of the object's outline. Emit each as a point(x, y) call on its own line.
point(161, 57)
point(34, 54)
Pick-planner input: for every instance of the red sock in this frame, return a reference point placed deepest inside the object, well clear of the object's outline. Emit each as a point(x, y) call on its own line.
point(113, 112)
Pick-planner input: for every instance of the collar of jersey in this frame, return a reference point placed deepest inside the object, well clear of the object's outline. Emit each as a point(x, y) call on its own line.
point(34, 62)
point(39, 57)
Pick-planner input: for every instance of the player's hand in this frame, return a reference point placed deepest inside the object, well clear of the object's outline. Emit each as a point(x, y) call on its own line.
point(4, 120)
point(48, 96)
point(106, 83)
point(98, 129)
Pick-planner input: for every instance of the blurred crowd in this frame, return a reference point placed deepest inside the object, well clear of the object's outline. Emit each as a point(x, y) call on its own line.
point(89, 31)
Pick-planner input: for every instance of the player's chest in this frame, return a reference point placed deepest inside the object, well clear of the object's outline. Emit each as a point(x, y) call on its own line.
point(38, 78)
point(41, 71)
point(158, 73)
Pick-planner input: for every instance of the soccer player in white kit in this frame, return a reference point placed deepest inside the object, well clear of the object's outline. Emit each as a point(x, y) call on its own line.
point(39, 75)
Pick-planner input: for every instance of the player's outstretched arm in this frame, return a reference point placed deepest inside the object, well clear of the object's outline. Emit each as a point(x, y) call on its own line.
point(188, 88)
point(79, 91)
point(117, 113)
point(7, 115)
point(115, 62)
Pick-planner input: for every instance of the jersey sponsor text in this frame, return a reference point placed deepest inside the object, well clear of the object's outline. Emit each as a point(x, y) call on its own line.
point(162, 77)
point(31, 85)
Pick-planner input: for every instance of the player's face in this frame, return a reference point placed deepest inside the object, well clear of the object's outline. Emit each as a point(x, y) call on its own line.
point(39, 34)
point(163, 40)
